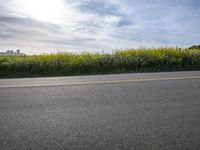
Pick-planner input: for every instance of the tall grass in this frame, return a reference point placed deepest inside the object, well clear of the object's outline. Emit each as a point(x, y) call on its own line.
point(132, 60)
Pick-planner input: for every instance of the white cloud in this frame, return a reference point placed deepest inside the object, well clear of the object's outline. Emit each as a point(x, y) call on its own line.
point(45, 25)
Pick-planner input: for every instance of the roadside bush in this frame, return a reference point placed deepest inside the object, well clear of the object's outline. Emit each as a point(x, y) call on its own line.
point(131, 60)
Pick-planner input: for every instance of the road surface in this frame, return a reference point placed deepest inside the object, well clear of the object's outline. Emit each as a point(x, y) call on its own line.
point(155, 111)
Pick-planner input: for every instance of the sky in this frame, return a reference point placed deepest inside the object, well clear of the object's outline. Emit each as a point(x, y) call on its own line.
point(49, 26)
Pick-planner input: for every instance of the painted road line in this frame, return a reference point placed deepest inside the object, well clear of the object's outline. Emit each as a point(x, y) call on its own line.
point(101, 82)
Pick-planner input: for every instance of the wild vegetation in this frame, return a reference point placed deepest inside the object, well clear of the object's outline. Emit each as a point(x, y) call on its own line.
point(131, 60)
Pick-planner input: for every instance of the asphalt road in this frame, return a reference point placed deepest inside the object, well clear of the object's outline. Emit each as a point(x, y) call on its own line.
point(107, 112)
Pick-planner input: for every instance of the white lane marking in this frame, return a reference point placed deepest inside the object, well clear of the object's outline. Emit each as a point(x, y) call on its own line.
point(102, 82)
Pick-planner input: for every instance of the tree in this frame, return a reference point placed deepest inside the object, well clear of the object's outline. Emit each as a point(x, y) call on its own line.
point(195, 47)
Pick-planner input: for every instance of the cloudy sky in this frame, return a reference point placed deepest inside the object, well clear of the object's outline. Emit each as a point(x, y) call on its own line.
point(44, 26)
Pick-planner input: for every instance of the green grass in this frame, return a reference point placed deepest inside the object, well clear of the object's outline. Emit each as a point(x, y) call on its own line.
point(132, 60)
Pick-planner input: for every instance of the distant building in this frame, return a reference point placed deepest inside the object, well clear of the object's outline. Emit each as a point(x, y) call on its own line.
point(12, 53)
